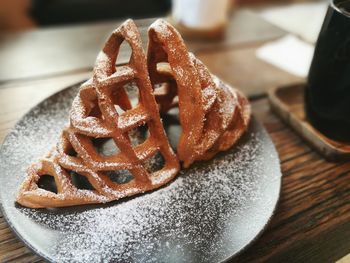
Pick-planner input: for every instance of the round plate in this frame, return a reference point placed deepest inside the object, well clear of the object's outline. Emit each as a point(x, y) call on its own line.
point(209, 213)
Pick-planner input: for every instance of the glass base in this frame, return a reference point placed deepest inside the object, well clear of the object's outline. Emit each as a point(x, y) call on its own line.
point(333, 129)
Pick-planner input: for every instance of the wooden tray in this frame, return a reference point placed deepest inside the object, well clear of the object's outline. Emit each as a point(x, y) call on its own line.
point(288, 103)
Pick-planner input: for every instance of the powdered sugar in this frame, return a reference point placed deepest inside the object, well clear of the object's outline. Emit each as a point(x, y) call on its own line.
point(161, 27)
point(206, 214)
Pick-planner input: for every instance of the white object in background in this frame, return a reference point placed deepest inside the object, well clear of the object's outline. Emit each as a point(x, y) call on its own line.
point(200, 14)
point(304, 20)
point(288, 53)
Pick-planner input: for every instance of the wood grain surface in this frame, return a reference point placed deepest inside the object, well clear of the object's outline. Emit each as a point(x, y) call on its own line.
point(312, 220)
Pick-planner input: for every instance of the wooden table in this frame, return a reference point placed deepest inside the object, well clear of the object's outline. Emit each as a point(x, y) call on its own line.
point(312, 220)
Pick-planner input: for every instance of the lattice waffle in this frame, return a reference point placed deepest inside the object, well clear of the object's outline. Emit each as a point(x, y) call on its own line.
point(212, 116)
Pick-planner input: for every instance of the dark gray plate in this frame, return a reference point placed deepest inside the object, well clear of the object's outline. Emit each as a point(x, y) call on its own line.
point(207, 214)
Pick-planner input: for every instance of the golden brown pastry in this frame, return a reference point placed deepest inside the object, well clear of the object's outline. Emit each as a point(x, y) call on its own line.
point(212, 116)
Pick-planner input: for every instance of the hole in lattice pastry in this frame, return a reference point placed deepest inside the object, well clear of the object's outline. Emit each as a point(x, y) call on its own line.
point(166, 95)
point(81, 181)
point(155, 163)
point(90, 103)
point(47, 182)
point(105, 146)
point(139, 135)
point(119, 109)
point(125, 96)
point(72, 152)
point(133, 93)
point(161, 89)
point(164, 68)
point(120, 176)
point(172, 126)
point(95, 110)
point(124, 53)
point(69, 150)
point(174, 112)
point(120, 98)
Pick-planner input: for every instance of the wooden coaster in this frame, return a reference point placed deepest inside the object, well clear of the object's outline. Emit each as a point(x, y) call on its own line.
point(288, 103)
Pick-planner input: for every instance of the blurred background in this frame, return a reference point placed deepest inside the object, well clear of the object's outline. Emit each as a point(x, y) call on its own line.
point(24, 14)
point(52, 37)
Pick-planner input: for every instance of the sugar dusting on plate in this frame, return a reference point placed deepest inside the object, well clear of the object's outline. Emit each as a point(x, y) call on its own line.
point(194, 218)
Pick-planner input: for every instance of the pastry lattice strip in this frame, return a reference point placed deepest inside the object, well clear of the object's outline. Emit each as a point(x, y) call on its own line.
point(215, 115)
point(94, 115)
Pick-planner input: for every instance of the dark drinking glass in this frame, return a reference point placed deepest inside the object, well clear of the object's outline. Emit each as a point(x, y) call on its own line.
point(327, 95)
